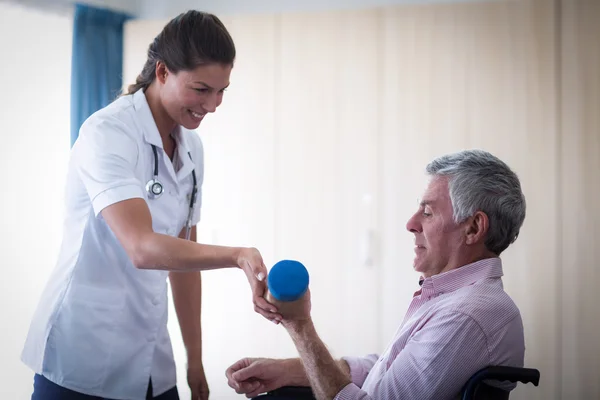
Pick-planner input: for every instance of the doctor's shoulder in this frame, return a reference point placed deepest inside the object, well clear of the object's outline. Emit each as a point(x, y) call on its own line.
point(112, 128)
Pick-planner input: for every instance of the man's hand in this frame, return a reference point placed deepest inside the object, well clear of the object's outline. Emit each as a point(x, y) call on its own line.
point(197, 381)
point(251, 262)
point(253, 376)
point(301, 314)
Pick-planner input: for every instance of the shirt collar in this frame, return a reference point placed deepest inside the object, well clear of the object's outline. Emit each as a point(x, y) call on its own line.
point(464, 276)
point(146, 119)
point(152, 136)
point(183, 152)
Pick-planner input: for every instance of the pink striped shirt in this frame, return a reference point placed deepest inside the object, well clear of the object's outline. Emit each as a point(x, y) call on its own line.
point(459, 322)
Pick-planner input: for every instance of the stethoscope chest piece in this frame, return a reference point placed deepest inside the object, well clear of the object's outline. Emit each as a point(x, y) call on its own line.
point(154, 188)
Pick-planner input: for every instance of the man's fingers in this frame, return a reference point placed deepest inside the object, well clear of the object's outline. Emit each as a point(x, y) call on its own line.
point(249, 372)
point(239, 364)
point(247, 386)
point(242, 375)
point(255, 389)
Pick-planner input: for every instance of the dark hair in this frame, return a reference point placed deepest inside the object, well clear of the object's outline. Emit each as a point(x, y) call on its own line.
point(191, 39)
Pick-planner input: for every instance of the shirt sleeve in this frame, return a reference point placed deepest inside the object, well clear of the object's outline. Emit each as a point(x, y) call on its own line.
point(435, 364)
point(360, 367)
point(198, 159)
point(104, 157)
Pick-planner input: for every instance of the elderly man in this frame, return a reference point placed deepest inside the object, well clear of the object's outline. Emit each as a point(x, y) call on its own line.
point(459, 321)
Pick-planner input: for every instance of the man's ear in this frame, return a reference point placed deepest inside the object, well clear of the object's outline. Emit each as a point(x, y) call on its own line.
point(477, 227)
point(161, 72)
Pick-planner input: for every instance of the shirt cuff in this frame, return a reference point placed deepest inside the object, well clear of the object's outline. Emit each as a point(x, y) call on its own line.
point(351, 392)
point(358, 372)
point(114, 195)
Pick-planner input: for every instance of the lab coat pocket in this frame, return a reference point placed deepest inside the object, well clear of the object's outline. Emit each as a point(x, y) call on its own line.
point(85, 334)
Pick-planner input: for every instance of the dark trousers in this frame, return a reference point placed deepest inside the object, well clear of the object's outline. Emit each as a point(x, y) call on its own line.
point(288, 393)
point(43, 389)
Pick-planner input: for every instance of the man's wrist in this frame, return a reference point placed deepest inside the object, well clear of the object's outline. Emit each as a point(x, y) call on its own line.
point(299, 328)
point(295, 374)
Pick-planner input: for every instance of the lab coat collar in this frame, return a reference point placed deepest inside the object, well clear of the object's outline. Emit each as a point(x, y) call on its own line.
point(152, 136)
point(146, 119)
point(187, 163)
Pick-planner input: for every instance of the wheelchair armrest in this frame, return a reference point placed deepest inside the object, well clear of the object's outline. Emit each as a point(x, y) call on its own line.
point(500, 373)
point(512, 374)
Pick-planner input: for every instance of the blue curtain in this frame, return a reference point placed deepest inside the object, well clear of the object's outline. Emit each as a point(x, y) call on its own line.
point(97, 62)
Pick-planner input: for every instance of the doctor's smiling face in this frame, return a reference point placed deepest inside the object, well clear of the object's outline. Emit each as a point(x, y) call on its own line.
point(188, 95)
point(187, 70)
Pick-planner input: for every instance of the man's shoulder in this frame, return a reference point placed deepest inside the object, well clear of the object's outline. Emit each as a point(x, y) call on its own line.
point(487, 303)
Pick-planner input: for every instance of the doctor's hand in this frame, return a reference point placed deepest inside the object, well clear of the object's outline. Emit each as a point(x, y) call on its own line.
point(253, 376)
point(250, 260)
point(197, 381)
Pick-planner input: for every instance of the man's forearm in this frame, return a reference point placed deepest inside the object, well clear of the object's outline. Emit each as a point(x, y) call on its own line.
point(326, 376)
point(297, 375)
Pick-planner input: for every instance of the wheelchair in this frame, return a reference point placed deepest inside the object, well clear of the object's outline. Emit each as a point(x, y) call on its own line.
point(474, 389)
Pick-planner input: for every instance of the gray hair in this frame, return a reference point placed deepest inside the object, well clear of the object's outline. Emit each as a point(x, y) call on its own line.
point(479, 181)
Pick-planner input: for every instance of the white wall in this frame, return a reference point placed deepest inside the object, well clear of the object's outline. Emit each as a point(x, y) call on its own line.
point(34, 121)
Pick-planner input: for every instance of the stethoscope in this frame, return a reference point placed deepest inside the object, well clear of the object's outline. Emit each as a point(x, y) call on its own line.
point(155, 189)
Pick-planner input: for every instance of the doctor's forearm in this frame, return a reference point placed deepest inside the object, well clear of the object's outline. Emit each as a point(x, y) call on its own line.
point(187, 299)
point(163, 252)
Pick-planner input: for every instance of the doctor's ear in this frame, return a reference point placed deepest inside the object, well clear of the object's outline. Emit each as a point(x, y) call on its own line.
point(161, 71)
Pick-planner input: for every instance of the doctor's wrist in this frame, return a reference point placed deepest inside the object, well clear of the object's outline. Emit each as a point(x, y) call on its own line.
point(194, 358)
point(235, 256)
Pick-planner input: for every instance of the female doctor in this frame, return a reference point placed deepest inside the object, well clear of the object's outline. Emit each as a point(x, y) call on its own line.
point(133, 199)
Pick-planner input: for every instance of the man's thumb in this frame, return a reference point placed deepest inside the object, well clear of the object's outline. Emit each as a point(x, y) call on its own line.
point(244, 373)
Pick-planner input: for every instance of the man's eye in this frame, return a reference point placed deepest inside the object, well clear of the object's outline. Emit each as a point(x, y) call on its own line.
point(201, 90)
point(426, 214)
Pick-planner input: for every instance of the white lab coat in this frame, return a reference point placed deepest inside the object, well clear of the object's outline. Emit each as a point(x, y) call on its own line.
point(101, 324)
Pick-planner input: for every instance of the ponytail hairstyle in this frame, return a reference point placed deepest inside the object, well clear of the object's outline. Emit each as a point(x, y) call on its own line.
point(191, 39)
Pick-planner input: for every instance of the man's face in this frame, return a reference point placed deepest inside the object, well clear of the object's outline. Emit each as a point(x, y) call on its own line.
point(437, 237)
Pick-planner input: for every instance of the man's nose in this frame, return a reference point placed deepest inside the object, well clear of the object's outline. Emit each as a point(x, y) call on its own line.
point(413, 224)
